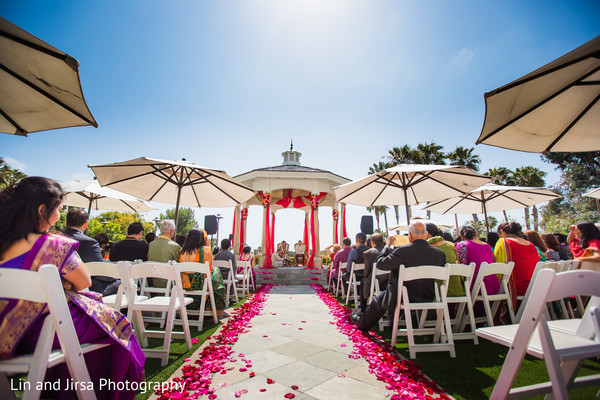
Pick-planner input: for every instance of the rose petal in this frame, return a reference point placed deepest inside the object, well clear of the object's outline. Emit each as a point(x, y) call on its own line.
point(270, 381)
point(295, 387)
point(262, 390)
point(252, 374)
point(289, 395)
point(194, 340)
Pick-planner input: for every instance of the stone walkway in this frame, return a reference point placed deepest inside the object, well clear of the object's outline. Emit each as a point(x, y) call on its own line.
point(293, 343)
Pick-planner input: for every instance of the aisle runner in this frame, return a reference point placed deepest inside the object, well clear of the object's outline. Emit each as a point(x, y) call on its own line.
point(401, 376)
point(198, 378)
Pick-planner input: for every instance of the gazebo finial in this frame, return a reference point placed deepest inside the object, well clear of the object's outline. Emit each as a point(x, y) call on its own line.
point(291, 144)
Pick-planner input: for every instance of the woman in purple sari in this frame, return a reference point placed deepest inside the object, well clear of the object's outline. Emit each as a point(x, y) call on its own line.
point(471, 249)
point(28, 209)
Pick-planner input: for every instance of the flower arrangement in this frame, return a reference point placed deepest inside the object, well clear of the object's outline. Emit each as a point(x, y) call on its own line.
point(266, 199)
point(314, 201)
point(244, 213)
point(335, 214)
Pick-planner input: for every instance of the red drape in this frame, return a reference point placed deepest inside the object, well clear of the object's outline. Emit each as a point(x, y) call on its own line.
point(268, 246)
point(272, 233)
point(242, 223)
point(311, 260)
point(305, 235)
point(344, 232)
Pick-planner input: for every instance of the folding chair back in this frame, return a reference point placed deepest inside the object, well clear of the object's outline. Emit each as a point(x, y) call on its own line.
point(168, 303)
point(338, 284)
point(563, 352)
point(229, 282)
point(439, 305)
point(116, 271)
point(523, 299)
point(205, 292)
point(353, 283)
point(491, 302)
point(464, 302)
point(44, 286)
point(243, 278)
point(375, 288)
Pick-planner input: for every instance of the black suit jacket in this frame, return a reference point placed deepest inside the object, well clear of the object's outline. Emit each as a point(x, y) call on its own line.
point(414, 254)
point(370, 257)
point(129, 250)
point(89, 249)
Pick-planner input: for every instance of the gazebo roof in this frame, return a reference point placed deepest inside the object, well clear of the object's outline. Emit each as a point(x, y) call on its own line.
point(292, 177)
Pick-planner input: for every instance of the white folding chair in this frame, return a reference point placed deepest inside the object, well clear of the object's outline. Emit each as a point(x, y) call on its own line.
point(464, 302)
point(491, 302)
point(375, 289)
point(44, 286)
point(205, 292)
point(243, 278)
point(442, 327)
point(117, 271)
point(338, 284)
point(354, 284)
point(167, 303)
point(147, 290)
point(230, 281)
point(563, 352)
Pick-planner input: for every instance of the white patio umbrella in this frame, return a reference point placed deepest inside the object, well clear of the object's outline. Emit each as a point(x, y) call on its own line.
point(39, 85)
point(439, 224)
point(554, 108)
point(174, 182)
point(492, 197)
point(409, 184)
point(89, 193)
point(594, 193)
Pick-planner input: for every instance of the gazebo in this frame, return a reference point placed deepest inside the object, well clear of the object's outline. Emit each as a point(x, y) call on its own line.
point(290, 185)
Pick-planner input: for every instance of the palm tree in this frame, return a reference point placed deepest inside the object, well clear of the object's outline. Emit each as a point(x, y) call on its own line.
point(463, 156)
point(402, 155)
point(532, 177)
point(500, 176)
point(431, 153)
point(377, 167)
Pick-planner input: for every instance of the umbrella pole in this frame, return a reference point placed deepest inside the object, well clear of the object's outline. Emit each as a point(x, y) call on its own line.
point(177, 207)
point(406, 205)
point(90, 207)
point(456, 222)
point(487, 224)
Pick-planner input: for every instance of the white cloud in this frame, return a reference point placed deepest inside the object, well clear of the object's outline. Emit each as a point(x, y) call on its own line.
point(461, 60)
point(15, 164)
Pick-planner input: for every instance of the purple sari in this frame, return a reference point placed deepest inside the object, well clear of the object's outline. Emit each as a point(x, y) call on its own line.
point(95, 322)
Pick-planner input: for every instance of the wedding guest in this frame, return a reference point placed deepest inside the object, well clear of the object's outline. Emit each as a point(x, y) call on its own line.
point(512, 247)
point(28, 209)
point(551, 242)
point(536, 239)
point(471, 249)
point(584, 242)
point(434, 238)
point(132, 247)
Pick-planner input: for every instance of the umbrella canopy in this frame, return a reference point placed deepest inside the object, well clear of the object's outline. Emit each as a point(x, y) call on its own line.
point(173, 182)
point(492, 197)
point(39, 85)
point(89, 193)
point(595, 193)
point(554, 108)
point(410, 184)
point(425, 220)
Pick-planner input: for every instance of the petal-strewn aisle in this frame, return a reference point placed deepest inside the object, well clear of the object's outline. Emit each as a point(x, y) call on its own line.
point(297, 342)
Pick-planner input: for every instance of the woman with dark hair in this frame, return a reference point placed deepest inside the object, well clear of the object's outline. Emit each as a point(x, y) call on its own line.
point(553, 245)
point(512, 247)
point(196, 249)
point(491, 239)
point(536, 240)
point(104, 242)
point(584, 242)
point(471, 249)
point(28, 209)
point(247, 256)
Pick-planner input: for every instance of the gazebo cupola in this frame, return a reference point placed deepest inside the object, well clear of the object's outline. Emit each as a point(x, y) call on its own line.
point(290, 185)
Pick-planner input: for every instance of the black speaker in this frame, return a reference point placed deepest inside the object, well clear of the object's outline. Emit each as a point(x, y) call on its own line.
point(210, 224)
point(366, 224)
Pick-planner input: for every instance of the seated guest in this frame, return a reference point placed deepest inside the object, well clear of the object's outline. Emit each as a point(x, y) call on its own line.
point(355, 257)
point(247, 256)
point(28, 209)
point(196, 249)
point(104, 242)
point(150, 236)
point(553, 245)
point(300, 249)
point(278, 259)
point(331, 251)
point(417, 252)
point(564, 252)
point(370, 257)
point(492, 239)
point(434, 238)
point(341, 257)
point(471, 249)
point(163, 249)
point(536, 240)
point(180, 239)
point(132, 247)
point(89, 250)
point(224, 255)
point(584, 242)
point(512, 247)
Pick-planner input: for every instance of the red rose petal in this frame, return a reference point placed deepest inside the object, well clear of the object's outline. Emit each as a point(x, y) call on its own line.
point(295, 387)
point(270, 381)
point(262, 390)
point(289, 395)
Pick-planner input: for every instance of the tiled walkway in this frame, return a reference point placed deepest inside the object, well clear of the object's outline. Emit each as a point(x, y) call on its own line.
point(292, 343)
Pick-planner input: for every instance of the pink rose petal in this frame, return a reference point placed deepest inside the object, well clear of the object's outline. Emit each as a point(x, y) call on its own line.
point(289, 395)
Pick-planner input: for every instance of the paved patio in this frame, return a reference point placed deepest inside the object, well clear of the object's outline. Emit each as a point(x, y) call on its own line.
point(292, 343)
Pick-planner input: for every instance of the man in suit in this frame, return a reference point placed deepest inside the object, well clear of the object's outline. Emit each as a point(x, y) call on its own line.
point(370, 257)
point(89, 250)
point(355, 257)
point(226, 255)
point(417, 253)
point(132, 247)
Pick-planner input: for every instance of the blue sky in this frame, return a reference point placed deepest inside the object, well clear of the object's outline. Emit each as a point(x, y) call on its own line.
point(227, 84)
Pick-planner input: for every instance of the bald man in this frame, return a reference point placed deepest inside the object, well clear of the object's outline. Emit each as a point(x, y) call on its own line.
point(418, 252)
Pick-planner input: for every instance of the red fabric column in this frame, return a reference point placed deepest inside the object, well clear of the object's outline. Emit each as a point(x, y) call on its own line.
point(344, 232)
point(305, 236)
point(311, 260)
point(244, 215)
point(272, 233)
point(268, 248)
point(336, 215)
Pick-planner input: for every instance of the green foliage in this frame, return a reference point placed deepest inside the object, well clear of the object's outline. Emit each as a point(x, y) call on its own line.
point(8, 175)
point(479, 225)
point(115, 224)
point(185, 222)
point(464, 156)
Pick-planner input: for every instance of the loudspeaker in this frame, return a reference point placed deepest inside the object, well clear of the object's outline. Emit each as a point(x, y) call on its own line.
point(210, 224)
point(366, 224)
